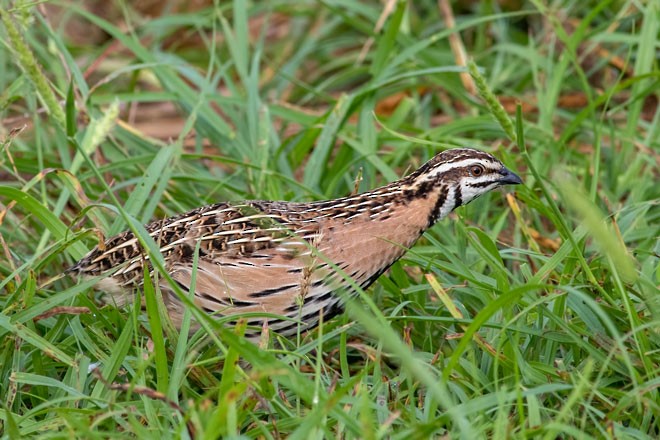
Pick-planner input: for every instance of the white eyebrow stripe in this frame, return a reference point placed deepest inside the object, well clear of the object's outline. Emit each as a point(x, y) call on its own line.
point(450, 166)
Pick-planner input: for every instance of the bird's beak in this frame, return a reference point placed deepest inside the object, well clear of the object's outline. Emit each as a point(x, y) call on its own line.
point(509, 178)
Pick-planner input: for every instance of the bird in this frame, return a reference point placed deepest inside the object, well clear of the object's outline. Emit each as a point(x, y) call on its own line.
point(292, 259)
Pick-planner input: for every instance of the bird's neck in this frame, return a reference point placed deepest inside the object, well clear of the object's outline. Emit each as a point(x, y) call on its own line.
point(376, 228)
point(424, 201)
point(413, 200)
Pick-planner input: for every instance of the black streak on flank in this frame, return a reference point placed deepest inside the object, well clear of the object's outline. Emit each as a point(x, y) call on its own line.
point(289, 329)
point(269, 292)
point(208, 310)
point(328, 313)
point(369, 281)
point(213, 299)
point(237, 303)
point(292, 308)
point(322, 298)
point(334, 310)
point(183, 287)
point(313, 318)
point(318, 283)
point(295, 307)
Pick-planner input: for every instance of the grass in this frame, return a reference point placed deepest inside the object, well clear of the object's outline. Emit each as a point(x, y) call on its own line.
point(526, 314)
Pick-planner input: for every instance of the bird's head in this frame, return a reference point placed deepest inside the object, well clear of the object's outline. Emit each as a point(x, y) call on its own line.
point(459, 176)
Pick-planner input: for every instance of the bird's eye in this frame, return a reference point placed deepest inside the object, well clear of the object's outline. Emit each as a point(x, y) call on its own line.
point(476, 170)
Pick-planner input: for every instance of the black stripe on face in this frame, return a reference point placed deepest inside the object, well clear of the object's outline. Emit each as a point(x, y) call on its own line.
point(435, 213)
point(458, 197)
point(480, 184)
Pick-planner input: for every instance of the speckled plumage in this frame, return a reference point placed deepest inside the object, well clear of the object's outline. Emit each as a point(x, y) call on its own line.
point(281, 257)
